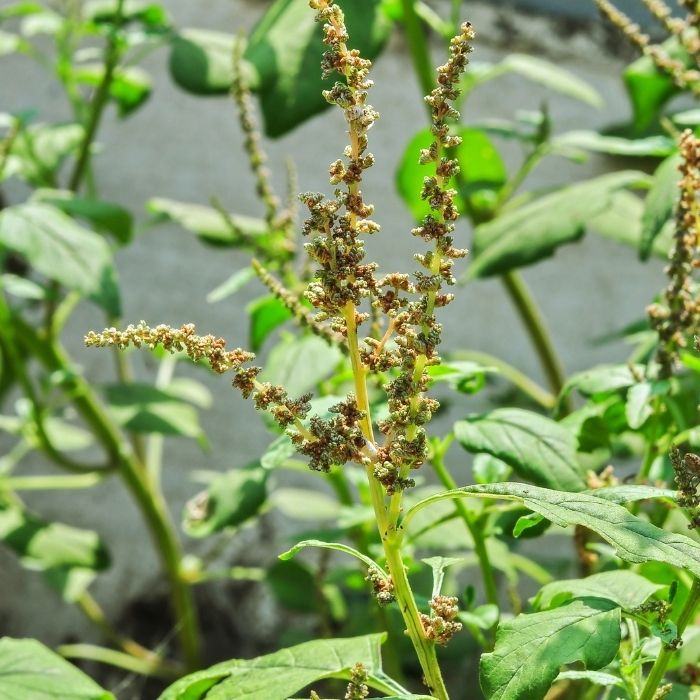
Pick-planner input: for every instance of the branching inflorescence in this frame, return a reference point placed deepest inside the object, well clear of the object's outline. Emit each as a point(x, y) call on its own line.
point(679, 315)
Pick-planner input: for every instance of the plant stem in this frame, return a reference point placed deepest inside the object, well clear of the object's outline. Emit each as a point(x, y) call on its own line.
point(656, 675)
point(418, 47)
point(53, 482)
point(536, 327)
point(473, 526)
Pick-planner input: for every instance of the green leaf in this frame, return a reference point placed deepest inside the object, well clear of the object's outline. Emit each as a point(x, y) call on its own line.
point(482, 174)
point(535, 230)
point(207, 222)
point(602, 379)
point(305, 504)
point(651, 146)
point(337, 546)
point(438, 565)
point(530, 649)
point(299, 364)
point(29, 670)
point(293, 584)
point(39, 151)
point(464, 376)
point(266, 314)
point(143, 408)
point(130, 87)
point(234, 283)
point(537, 448)
point(649, 88)
point(553, 77)
point(201, 62)
point(634, 540)
point(19, 9)
point(59, 248)
point(623, 588)
point(68, 557)
point(278, 675)
point(637, 406)
point(660, 203)
point(486, 469)
point(107, 216)
point(629, 493)
point(229, 500)
point(595, 677)
point(286, 46)
point(9, 43)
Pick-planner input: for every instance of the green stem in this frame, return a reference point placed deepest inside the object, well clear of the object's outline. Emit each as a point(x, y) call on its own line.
point(656, 675)
point(91, 652)
point(472, 524)
point(529, 387)
point(418, 47)
point(55, 482)
point(536, 327)
point(99, 102)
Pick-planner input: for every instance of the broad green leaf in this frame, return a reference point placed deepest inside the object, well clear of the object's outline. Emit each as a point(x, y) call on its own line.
point(279, 675)
point(143, 408)
point(286, 46)
point(595, 677)
point(602, 379)
point(107, 216)
point(191, 390)
point(337, 546)
point(59, 248)
point(20, 9)
point(629, 493)
point(130, 86)
point(637, 406)
point(482, 174)
point(537, 448)
point(28, 670)
point(487, 469)
point(649, 88)
point(634, 539)
point(266, 314)
point(23, 287)
point(207, 222)
point(464, 376)
point(651, 146)
point(305, 504)
point(68, 557)
point(235, 282)
point(201, 62)
point(483, 617)
point(688, 117)
point(530, 649)
point(535, 230)
point(229, 500)
point(624, 588)
point(39, 150)
point(299, 364)
point(660, 203)
point(553, 77)
point(294, 585)
point(438, 565)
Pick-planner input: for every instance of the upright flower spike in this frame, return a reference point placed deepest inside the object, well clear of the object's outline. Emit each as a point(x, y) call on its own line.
point(418, 332)
point(679, 314)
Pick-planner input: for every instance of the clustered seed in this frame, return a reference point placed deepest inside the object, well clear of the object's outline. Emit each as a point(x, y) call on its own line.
point(687, 473)
point(382, 586)
point(357, 687)
point(440, 625)
point(678, 316)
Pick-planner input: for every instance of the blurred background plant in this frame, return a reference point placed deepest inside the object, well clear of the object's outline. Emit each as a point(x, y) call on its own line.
point(58, 246)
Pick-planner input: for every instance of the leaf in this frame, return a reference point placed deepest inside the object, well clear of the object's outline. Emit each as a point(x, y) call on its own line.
point(482, 174)
point(660, 203)
point(629, 493)
point(29, 670)
point(107, 216)
point(530, 649)
point(602, 379)
point(130, 87)
point(266, 314)
point(464, 376)
point(623, 588)
point(62, 250)
point(207, 222)
point(278, 675)
point(201, 61)
point(234, 283)
point(634, 540)
point(143, 408)
point(294, 586)
point(438, 565)
point(637, 406)
point(286, 47)
point(304, 504)
point(230, 499)
point(595, 677)
point(536, 447)
point(486, 469)
point(300, 364)
point(651, 146)
point(649, 88)
point(536, 229)
point(553, 77)
point(68, 557)
point(9, 43)
point(339, 547)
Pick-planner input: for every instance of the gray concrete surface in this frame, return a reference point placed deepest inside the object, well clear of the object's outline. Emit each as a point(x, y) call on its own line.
point(187, 148)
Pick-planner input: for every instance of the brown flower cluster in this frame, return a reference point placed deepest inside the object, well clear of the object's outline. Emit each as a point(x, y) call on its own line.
point(687, 471)
point(357, 687)
point(685, 30)
point(440, 625)
point(679, 315)
point(382, 587)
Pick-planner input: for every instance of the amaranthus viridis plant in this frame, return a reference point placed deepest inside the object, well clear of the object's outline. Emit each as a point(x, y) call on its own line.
point(344, 291)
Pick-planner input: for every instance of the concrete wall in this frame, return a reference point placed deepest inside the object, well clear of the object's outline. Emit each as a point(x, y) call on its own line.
point(186, 148)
